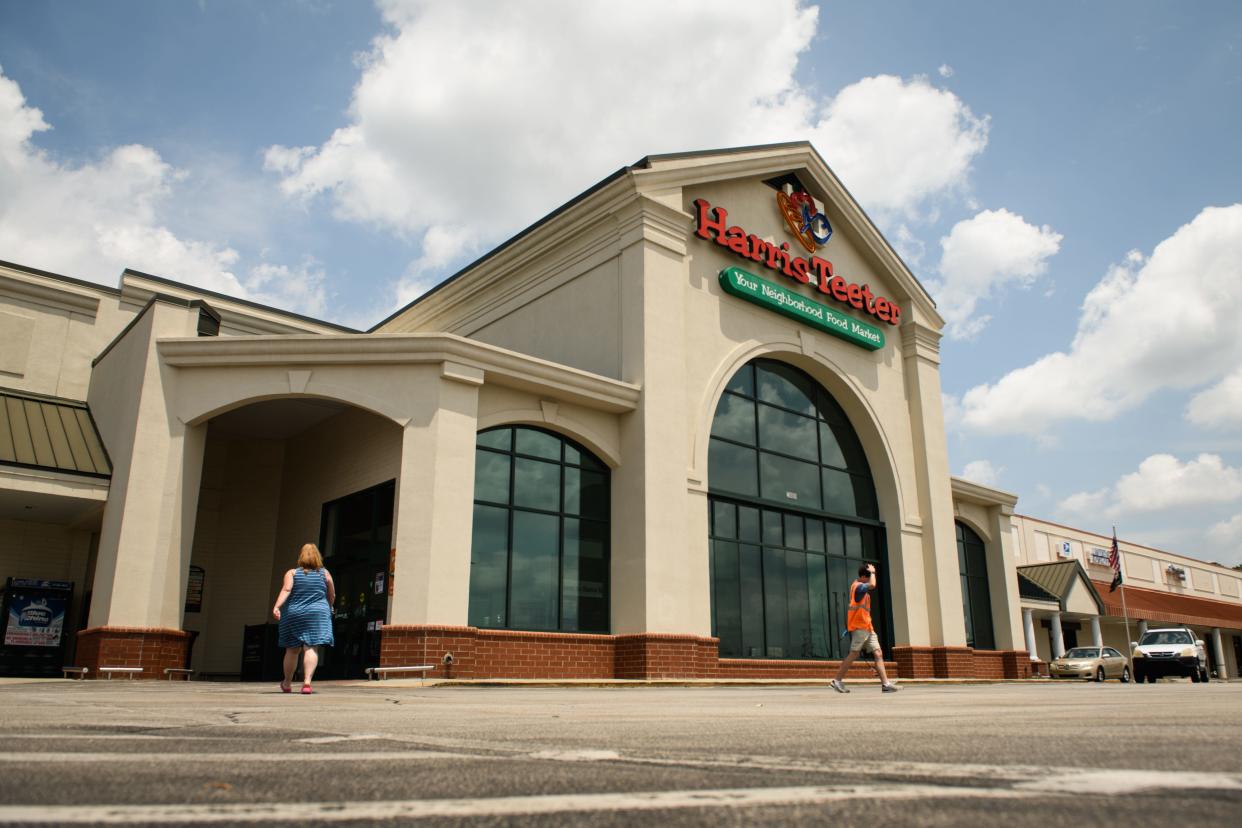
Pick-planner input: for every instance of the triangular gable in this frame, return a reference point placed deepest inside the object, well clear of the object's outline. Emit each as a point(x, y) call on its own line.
point(1066, 581)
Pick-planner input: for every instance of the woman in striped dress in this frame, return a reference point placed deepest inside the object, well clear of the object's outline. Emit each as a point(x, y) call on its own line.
point(307, 596)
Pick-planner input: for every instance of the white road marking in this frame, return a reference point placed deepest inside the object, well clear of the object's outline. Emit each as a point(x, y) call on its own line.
point(411, 809)
point(577, 755)
point(346, 737)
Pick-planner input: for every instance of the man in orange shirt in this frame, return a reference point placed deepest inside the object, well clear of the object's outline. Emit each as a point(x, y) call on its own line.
point(863, 639)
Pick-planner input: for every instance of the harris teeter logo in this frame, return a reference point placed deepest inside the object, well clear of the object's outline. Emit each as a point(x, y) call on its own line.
point(712, 224)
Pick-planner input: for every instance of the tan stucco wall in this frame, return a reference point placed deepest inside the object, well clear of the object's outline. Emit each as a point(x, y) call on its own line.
point(1143, 566)
point(50, 331)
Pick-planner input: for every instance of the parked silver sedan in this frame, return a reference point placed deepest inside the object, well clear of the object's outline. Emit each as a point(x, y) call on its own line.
point(1092, 663)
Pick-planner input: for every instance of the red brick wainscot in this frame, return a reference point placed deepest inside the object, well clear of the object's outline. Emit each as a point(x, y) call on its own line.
point(479, 653)
point(961, 662)
point(151, 648)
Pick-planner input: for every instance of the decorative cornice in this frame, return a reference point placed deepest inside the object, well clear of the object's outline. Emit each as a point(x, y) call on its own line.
point(918, 340)
point(56, 296)
point(498, 366)
point(967, 491)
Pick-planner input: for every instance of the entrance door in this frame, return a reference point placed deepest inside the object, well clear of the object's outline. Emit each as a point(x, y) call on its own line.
point(355, 536)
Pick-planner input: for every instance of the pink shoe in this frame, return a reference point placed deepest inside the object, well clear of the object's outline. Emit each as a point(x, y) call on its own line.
point(306, 690)
point(286, 688)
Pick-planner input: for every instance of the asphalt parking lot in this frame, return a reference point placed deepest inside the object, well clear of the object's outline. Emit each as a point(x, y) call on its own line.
point(1038, 753)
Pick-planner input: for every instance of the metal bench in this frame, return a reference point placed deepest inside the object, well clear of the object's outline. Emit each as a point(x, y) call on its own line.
point(80, 672)
point(378, 673)
point(128, 671)
point(169, 672)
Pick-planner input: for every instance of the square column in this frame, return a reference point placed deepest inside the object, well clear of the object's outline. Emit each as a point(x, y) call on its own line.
point(435, 495)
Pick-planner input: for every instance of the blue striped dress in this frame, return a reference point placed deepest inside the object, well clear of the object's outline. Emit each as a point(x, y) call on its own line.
point(306, 619)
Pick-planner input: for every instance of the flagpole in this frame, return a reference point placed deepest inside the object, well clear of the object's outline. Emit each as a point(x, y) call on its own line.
point(1124, 612)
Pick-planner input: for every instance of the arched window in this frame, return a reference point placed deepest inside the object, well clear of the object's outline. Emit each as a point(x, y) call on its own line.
point(793, 515)
point(976, 601)
point(539, 557)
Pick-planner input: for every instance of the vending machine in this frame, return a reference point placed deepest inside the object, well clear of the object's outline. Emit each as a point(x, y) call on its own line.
point(32, 626)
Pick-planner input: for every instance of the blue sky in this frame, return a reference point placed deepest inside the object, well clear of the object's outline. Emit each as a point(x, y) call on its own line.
point(1066, 178)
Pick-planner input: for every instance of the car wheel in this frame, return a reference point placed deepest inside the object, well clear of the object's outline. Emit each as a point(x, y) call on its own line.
point(1099, 674)
point(1125, 675)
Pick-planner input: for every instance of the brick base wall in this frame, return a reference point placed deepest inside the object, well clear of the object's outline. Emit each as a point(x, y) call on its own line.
point(961, 662)
point(151, 648)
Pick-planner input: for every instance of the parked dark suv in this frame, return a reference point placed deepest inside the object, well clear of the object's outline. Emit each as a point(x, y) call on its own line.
point(1170, 651)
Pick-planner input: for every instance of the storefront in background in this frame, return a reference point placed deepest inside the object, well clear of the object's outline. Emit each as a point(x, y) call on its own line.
point(652, 436)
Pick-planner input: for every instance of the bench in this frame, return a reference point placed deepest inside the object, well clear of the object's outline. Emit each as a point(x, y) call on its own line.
point(169, 672)
point(378, 673)
point(128, 671)
point(80, 672)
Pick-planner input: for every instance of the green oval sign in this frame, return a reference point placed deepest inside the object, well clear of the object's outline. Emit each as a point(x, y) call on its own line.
point(784, 301)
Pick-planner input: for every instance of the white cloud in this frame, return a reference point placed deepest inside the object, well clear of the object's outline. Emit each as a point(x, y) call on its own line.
point(945, 70)
point(471, 120)
point(1169, 321)
point(1227, 534)
point(982, 472)
point(302, 287)
point(982, 255)
point(1162, 482)
point(1219, 406)
point(92, 220)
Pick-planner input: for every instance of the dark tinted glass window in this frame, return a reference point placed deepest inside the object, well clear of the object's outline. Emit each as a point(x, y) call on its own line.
point(791, 498)
point(539, 558)
point(976, 600)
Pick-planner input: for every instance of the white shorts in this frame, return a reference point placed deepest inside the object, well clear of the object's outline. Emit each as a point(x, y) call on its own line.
point(864, 641)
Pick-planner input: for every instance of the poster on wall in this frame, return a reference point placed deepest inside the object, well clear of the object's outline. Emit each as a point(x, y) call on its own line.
point(194, 589)
point(35, 620)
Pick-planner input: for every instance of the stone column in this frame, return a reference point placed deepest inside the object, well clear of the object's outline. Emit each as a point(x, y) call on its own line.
point(1097, 639)
point(435, 494)
point(147, 529)
point(1057, 638)
point(920, 350)
point(1142, 629)
point(1028, 627)
point(1221, 672)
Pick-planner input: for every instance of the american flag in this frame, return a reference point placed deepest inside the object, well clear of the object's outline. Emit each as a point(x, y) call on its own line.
point(1114, 560)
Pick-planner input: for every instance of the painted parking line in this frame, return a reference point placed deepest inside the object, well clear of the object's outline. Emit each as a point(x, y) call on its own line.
point(416, 809)
point(84, 757)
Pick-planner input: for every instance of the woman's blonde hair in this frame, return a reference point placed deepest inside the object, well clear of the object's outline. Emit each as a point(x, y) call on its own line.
point(309, 557)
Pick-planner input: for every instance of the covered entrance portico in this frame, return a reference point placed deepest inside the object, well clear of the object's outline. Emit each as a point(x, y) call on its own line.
point(231, 451)
point(1061, 610)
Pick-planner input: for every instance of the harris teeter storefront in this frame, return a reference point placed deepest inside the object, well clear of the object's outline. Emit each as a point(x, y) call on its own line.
point(652, 436)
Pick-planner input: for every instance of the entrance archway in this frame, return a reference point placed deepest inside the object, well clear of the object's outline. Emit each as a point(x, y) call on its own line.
point(278, 473)
point(793, 515)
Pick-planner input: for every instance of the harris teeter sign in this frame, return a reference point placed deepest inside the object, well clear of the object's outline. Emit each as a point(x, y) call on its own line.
point(776, 298)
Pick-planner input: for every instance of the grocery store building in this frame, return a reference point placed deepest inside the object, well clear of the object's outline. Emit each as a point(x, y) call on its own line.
point(652, 436)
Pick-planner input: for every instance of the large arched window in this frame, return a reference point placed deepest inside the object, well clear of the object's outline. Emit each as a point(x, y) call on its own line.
point(793, 515)
point(539, 557)
point(976, 600)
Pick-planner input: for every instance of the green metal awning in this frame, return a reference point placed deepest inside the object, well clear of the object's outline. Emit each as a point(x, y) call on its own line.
point(1057, 579)
point(51, 434)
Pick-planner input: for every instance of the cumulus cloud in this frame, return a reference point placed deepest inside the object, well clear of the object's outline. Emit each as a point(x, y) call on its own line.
point(982, 255)
point(945, 70)
point(471, 120)
point(1161, 483)
point(981, 472)
point(1227, 533)
point(1219, 406)
point(94, 219)
point(1168, 321)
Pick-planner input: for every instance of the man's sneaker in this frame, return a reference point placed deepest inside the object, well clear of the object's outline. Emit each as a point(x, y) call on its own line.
point(889, 688)
point(837, 685)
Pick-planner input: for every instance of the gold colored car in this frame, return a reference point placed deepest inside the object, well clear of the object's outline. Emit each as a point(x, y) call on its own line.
point(1091, 663)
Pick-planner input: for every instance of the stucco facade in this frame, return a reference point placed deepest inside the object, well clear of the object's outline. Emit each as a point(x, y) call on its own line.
point(232, 428)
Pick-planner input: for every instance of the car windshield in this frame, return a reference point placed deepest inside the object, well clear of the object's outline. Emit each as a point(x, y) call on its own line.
point(1167, 637)
point(1083, 652)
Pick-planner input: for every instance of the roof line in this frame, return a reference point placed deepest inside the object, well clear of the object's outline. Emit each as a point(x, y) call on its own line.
point(32, 395)
point(60, 277)
point(239, 300)
point(599, 185)
point(1127, 542)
